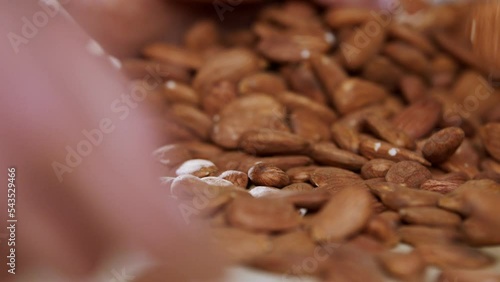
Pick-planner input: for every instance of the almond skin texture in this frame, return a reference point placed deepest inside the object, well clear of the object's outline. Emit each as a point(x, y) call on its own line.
point(328, 154)
point(420, 118)
point(411, 174)
point(442, 144)
point(262, 214)
point(238, 178)
point(268, 175)
point(269, 142)
point(376, 168)
point(490, 134)
point(344, 215)
point(355, 93)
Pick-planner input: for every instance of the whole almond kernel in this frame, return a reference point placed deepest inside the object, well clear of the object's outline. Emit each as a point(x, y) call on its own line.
point(385, 130)
point(327, 153)
point(241, 245)
point(384, 230)
point(286, 162)
point(329, 73)
point(268, 142)
point(490, 134)
point(197, 167)
point(430, 216)
point(301, 173)
point(217, 96)
point(420, 118)
point(376, 168)
point(440, 186)
point(238, 178)
point(355, 93)
point(407, 267)
point(397, 197)
point(413, 88)
point(442, 144)
point(409, 173)
point(262, 82)
point(309, 126)
point(262, 214)
point(298, 187)
point(177, 92)
point(302, 79)
point(346, 137)
point(192, 118)
point(454, 255)
point(408, 56)
point(422, 235)
point(356, 60)
point(268, 175)
point(344, 215)
point(375, 149)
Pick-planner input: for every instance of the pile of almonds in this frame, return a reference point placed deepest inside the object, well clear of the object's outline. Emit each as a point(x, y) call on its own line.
point(318, 141)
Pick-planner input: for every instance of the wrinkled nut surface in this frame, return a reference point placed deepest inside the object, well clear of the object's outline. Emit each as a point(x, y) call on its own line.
point(344, 215)
point(411, 174)
point(442, 144)
point(262, 214)
point(268, 175)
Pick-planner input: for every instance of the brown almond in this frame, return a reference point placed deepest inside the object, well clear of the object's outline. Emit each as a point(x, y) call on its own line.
point(298, 187)
point(408, 173)
point(173, 55)
point(464, 160)
point(355, 93)
point(384, 230)
point(386, 131)
point(193, 119)
point(421, 235)
point(454, 255)
point(238, 178)
point(295, 101)
point(440, 186)
point(346, 137)
point(375, 149)
point(268, 175)
point(261, 82)
point(327, 153)
point(301, 173)
point(490, 135)
point(309, 126)
point(351, 16)
point(176, 92)
point(241, 245)
point(442, 144)
point(197, 167)
point(412, 37)
point(334, 223)
point(286, 162)
point(383, 71)
point(408, 56)
point(247, 113)
point(217, 96)
point(430, 216)
point(376, 168)
point(467, 275)
point(262, 214)
point(420, 118)
point(336, 179)
point(397, 197)
point(342, 268)
point(406, 267)
point(356, 53)
point(413, 88)
point(301, 79)
point(269, 142)
point(329, 73)
point(231, 65)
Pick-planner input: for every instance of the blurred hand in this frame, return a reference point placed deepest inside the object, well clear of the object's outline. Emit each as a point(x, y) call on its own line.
point(80, 198)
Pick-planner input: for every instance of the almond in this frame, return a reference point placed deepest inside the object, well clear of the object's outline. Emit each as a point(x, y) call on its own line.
point(268, 142)
point(490, 135)
point(408, 173)
point(268, 175)
point(442, 144)
point(327, 153)
point(262, 214)
point(355, 93)
point(426, 111)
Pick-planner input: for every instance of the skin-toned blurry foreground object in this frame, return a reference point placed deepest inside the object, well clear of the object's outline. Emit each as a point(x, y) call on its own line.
point(60, 104)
